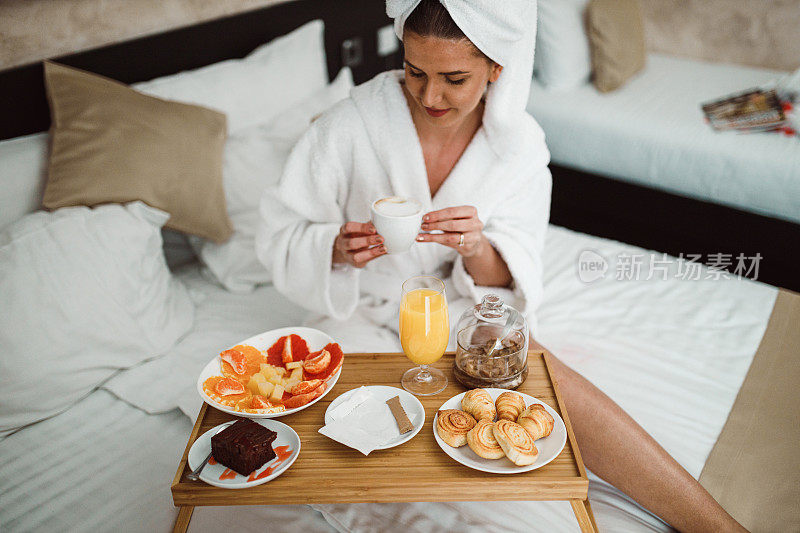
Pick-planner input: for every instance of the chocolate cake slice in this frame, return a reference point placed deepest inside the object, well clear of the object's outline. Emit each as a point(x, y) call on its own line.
point(243, 446)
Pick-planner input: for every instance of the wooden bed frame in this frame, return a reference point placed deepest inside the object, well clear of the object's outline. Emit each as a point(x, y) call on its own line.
point(23, 105)
point(674, 224)
point(583, 202)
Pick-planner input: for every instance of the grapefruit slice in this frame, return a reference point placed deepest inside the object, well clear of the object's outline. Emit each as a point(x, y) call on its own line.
point(299, 350)
point(304, 387)
point(318, 363)
point(333, 367)
point(297, 400)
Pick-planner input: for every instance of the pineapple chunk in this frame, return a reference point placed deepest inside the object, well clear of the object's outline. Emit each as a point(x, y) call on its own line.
point(264, 366)
point(277, 393)
point(279, 370)
point(265, 388)
point(297, 374)
point(275, 380)
point(268, 371)
point(254, 381)
point(293, 365)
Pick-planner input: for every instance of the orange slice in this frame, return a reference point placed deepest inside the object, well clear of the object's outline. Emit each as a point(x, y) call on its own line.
point(236, 359)
point(252, 358)
point(228, 400)
point(259, 402)
point(229, 387)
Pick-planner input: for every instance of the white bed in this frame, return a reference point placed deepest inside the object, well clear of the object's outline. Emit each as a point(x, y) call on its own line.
point(651, 132)
point(672, 353)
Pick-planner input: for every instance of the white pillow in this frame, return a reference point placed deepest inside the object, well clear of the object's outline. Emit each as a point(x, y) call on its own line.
point(253, 90)
point(562, 59)
point(254, 160)
point(86, 292)
point(23, 172)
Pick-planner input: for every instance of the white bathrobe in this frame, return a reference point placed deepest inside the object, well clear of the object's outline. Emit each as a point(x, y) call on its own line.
point(364, 148)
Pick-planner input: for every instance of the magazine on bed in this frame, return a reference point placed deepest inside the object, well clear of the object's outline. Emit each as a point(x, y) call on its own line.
point(752, 110)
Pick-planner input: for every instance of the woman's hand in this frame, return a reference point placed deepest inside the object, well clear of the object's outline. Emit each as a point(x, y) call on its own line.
point(463, 231)
point(357, 244)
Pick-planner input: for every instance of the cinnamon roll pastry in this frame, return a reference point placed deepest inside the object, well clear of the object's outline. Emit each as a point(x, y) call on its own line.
point(481, 440)
point(536, 421)
point(453, 425)
point(509, 406)
point(516, 442)
point(479, 404)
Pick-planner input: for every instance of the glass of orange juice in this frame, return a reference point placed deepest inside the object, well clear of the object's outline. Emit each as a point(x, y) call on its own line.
point(424, 332)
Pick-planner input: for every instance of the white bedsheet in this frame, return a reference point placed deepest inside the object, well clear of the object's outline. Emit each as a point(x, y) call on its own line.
point(672, 353)
point(222, 319)
point(651, 132)
point(106, 466)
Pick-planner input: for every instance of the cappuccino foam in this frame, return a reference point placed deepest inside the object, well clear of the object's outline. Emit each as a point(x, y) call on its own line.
point(397, 206)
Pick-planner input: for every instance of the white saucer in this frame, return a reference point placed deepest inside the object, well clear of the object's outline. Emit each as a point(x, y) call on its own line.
point(212, 472)
point(411, 405)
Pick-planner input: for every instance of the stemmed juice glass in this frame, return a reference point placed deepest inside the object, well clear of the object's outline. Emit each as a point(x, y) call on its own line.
point(424, 332)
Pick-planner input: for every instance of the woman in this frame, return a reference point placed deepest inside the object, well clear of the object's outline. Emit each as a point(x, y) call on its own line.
point(451, 132)
point(427, 134)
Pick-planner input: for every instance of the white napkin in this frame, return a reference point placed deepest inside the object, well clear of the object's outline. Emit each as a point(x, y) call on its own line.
point(363, 422)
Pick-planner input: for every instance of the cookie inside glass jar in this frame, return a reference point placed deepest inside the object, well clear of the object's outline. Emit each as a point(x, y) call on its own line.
point(492, 346)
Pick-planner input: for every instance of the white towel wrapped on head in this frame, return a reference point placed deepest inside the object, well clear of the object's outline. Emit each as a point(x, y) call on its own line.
point(504, 30)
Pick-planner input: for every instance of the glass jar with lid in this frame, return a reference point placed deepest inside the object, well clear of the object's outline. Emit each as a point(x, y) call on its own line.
point(491, 345)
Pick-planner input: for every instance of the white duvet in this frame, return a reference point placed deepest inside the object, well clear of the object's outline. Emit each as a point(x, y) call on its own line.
point(672, 353)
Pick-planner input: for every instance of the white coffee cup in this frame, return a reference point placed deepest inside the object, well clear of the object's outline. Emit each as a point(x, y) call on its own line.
point(398, 220)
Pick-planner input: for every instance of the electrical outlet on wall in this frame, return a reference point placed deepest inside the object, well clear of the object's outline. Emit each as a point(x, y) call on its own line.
point(352, 52)
point(387, 41)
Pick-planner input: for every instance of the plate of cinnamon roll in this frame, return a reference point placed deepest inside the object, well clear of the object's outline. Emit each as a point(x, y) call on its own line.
point(499, 431)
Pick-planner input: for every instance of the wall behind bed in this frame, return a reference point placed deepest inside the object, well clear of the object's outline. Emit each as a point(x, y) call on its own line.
point(758, 33)
point(23, 106)
point(76, 25)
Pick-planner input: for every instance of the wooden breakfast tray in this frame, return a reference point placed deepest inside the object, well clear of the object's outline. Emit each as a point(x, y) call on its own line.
point(323, 473)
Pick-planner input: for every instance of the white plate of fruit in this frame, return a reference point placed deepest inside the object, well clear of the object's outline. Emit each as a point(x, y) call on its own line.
point(272, 374)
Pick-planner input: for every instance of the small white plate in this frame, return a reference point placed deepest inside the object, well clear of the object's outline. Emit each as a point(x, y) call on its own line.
point(315, 339)
point(549, 447)
point(287, 441)
point(411, 405)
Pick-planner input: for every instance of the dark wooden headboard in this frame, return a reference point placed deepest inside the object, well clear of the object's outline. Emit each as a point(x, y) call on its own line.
point(584, 202)
point(24, 110)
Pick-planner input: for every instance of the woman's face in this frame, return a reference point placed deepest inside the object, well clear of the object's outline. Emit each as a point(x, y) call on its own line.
point(446, 78)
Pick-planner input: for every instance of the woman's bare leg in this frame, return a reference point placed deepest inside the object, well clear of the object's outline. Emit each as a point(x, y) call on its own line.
point(617, 449)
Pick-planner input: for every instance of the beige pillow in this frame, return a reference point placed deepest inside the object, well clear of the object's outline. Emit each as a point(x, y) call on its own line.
point(112, 144)
point(616, 39)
